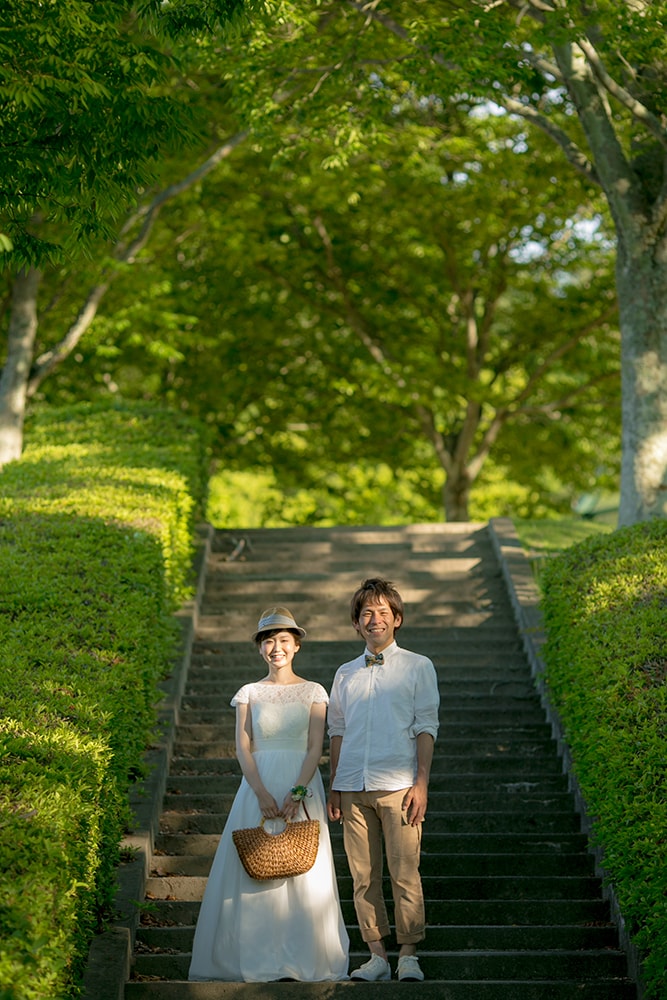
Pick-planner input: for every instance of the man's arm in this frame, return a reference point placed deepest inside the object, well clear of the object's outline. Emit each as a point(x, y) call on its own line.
point(416, 797)
point(333, 802)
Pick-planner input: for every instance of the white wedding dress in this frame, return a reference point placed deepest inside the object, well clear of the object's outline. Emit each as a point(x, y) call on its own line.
point(251, 931)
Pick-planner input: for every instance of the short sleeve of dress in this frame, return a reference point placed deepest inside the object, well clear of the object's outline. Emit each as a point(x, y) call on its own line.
point(242, 696)
point(319, 695)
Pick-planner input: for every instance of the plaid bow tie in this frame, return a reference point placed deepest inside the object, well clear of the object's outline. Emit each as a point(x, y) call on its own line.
point(372, 659)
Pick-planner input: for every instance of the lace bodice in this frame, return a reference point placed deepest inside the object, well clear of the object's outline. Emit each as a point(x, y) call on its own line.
point(280, 712)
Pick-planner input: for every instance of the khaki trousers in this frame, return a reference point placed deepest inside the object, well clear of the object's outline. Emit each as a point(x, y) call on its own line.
point(367, 818)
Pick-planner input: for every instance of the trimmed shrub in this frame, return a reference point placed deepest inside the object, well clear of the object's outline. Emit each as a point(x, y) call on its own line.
point(605, 610)
point(96, 528)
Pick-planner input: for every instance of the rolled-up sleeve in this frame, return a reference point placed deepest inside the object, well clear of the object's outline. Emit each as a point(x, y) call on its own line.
point(335, 715)
point(427, 701)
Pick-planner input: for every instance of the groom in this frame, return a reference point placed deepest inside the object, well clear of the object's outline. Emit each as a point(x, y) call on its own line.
point(383, 720)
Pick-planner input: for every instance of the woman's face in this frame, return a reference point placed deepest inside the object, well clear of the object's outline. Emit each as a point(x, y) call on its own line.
point(279, 649)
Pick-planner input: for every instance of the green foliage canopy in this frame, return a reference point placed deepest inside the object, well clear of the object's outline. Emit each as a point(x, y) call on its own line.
point(405, 310)
point(92, 98)
point(592, 79)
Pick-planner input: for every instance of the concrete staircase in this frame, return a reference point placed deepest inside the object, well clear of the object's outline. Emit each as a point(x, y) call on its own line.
point(515, 911)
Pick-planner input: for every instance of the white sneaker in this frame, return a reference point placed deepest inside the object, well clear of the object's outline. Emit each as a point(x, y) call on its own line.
point(372, 971)
point(408, 969)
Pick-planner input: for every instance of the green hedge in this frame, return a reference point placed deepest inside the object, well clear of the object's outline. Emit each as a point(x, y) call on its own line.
point(96, 529)
point(605, 608)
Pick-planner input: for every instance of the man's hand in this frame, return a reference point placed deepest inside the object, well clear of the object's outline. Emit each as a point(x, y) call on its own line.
point(333, 807)
point(415, 802)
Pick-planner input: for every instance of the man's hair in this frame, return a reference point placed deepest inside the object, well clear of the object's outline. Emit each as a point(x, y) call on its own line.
point(370, 592)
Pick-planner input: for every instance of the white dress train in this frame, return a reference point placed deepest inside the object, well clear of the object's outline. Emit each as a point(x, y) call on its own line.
point(252, 931)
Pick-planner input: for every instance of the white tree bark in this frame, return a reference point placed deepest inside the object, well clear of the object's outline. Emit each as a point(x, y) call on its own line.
point(14, 379)
point(642, 295)
point(640, 215)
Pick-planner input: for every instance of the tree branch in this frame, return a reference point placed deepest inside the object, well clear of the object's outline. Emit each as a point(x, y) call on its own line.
point(514, 407)
point(635, 107)
point(124, 252)
point(443, 453)
point(573, 153)
point(555, 405)
point(466, 435)
point(354, 318)
point(489, 438)
point(613, 169)
point(556, 355)
point(545, 66)
point(370, 12)
point(150, 210)
point(658, 218)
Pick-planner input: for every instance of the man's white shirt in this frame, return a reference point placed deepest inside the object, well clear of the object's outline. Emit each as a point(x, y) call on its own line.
point(379, 711)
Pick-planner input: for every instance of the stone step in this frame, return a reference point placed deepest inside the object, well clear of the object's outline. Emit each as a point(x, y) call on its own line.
point(455, 690)
point(495, 639)
point(547, 823)
point(224, 681)
point(442, 806)
point(495, 887)
point(455, 748)
point(506, 770)
point(496, 672)
point(462, 965)
point(454, 616)
point(445, 989)
point(467, 649)
point(224, 599)
point(481, 712)
point(447, 843)
point(487, 634)
point(458, 729)
point(433, 863)
point(451, 804)
point(449, 912)
point(452, 780)
point(450, 791)
point(461, 938)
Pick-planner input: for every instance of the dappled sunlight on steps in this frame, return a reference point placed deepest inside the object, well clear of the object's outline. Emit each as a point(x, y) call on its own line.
point(515, 910)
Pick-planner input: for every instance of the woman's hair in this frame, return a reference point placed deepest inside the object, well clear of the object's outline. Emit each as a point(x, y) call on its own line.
point(261, 636)
point(370, 592)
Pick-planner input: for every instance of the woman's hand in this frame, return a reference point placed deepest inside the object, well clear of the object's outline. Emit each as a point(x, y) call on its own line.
point(268, 805)
point(290, 808)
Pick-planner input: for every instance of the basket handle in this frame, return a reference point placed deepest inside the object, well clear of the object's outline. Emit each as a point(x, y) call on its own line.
point(263, 820)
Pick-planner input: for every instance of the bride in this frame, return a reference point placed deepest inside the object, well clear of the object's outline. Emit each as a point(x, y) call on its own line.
point(262, 931)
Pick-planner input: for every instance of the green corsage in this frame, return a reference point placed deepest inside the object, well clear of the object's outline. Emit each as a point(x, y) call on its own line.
point(300, 792)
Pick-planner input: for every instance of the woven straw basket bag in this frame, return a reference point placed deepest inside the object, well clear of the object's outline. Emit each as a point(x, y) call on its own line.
point(278, 855)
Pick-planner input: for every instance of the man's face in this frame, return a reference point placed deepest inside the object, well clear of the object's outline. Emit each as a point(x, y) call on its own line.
point(377, 624)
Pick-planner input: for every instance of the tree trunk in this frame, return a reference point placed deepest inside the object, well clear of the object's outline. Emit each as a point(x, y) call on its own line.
point(456, 494)
point(642, 297)
point(20, 348)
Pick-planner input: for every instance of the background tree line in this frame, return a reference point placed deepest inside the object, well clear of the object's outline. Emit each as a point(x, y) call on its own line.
point(358, 259)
